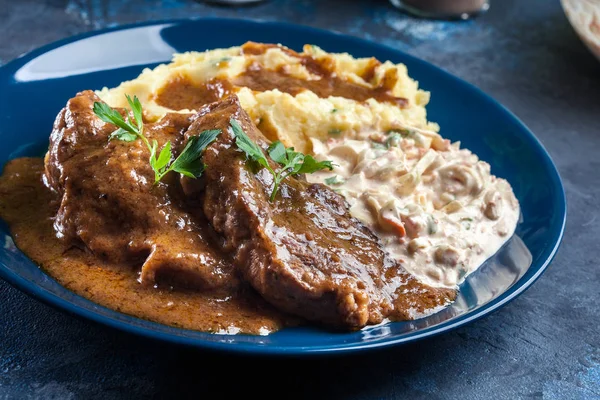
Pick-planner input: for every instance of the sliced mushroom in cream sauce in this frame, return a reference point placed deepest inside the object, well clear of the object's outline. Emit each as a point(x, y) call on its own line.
point(436, 207)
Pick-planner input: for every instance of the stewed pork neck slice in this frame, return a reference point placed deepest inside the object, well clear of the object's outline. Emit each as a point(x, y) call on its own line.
point(110, 203)
point(302, 252)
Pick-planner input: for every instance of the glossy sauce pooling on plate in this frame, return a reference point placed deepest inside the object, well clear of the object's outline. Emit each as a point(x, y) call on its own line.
point(29, 208)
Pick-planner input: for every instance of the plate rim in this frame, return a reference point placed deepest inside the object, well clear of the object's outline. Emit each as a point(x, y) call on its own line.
point(516, 289)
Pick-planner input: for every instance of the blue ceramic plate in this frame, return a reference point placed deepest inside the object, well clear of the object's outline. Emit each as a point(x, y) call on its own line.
point(33, 88)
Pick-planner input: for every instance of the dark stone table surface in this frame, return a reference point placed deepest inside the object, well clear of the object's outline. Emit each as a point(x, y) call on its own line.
point(545, 344)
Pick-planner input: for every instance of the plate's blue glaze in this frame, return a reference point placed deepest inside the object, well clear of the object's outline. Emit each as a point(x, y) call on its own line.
point(35, 87)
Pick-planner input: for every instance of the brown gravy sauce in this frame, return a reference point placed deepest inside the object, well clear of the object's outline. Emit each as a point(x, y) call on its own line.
point(259, 79)
point(28, 207)
point(182, 93)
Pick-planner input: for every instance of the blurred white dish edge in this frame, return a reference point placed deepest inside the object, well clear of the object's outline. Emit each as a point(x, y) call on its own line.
point(584, 16)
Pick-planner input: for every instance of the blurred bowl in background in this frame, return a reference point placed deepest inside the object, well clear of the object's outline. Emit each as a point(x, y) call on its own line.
point(232, 3)
point(584, 16)
point(443, 9)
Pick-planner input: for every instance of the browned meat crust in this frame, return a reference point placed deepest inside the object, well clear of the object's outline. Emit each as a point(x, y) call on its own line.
point(111, 204)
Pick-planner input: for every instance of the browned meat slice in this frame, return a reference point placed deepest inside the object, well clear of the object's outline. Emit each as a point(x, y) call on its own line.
point(303, 252)
point(111, 204)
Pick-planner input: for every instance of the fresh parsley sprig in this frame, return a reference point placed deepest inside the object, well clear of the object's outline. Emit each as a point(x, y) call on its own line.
point(335, 180)
point(188, 163)
point(292, 162)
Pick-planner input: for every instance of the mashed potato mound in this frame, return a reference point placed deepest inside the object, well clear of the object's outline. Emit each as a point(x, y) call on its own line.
point(291, 118)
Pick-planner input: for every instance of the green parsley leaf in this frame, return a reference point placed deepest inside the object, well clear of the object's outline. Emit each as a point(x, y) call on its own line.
point(334, 180)
point(466, 223)
point(194, 147)
point(188, 163)
point(277, 152)
point(252, 150)
point(292, 162)
point(123, 135)
point(334, 131)
point(402, 132)
point(164, 157)
point(393, 140)
point(108, 115)
point(379, 146)
point(136, 108)
point(152, 159)
point(311, 165)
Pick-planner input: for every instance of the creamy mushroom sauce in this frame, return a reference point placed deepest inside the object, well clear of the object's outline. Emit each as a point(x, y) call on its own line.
point(436, 207)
